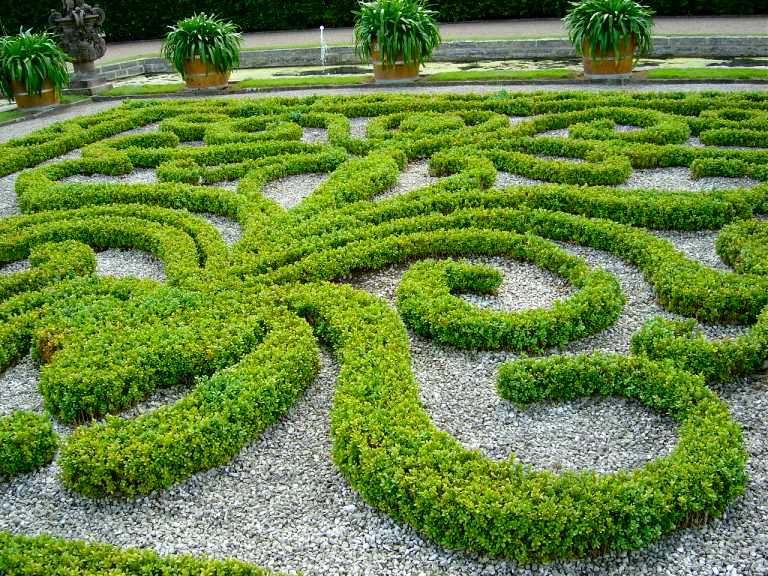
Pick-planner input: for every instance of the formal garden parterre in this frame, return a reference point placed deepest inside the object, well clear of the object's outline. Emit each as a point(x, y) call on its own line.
point(240, 330)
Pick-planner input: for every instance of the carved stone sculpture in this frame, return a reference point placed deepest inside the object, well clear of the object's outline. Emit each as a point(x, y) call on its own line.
point(78, 26)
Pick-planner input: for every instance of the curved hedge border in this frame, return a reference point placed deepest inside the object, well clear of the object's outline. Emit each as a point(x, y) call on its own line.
point(222, 328)
point(394, 457)
point(427, 305)
point(49, 556)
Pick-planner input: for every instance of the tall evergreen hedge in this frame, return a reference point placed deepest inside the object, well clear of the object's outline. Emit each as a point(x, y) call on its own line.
point(143, 19)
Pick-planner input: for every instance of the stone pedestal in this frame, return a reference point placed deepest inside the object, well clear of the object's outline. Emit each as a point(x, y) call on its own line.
point(78, 27)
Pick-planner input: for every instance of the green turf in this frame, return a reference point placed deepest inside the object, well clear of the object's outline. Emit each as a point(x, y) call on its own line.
point(709, 73)
point(140, 89)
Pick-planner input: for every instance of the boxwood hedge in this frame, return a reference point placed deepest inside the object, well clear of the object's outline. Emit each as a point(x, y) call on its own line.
point(239, 326)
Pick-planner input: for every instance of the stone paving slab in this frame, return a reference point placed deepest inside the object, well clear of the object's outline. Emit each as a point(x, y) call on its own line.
point(486, 30)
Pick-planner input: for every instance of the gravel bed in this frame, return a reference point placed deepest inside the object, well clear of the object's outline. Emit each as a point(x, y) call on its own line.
point(281, 503)
point(680, 178)
point(314, 135)
point(698, 246)
point(291, 190)
point(358, 127)
point(137, 176)
point(515, 120)
point(229, 230)
point(506, 179)
point(129, 263)
point(626, 128)
point(559, 133)
point(8, 202)
point(13, 267)
point(414, 176)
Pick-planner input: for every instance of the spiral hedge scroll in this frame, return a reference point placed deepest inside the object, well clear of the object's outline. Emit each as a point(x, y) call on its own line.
point(242, 324)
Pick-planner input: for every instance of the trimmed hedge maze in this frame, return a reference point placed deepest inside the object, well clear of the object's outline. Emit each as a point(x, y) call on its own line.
point(242, 325)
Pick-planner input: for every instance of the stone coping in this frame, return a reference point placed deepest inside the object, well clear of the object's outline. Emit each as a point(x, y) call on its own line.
point(464, 51)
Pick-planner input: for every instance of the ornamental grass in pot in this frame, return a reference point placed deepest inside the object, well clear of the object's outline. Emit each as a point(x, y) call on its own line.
point(609, 34)
point(33, 69)
point(396, 36)
point(204, 50)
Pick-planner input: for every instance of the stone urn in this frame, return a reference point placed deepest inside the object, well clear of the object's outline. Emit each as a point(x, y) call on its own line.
point(78, 27)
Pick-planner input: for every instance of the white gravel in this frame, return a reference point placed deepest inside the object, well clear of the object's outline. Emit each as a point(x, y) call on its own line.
point(358, 127)
point(137, 176)
point(229, 230)
point(314, 135)
point(415, 175)
point(13, 267)
point(129, 263)
point(507, 179)
point(281, 503)
point(291, 190)
point(680, 178)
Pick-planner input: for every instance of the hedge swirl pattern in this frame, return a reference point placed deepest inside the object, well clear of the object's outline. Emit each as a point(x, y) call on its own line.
point(241, 325)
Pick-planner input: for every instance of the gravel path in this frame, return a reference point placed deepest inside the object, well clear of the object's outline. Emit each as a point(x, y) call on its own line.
point(13, 267)
point(281, 503)
point(291, 190)
point(129, 263)
point(680, 178)
point(414, 176)
point(314, 135)
point(229, 230)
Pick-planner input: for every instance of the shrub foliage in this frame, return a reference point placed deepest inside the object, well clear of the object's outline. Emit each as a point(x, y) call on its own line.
point(239, 326)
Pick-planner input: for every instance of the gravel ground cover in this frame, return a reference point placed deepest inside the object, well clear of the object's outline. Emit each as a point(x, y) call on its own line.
point(282, 503)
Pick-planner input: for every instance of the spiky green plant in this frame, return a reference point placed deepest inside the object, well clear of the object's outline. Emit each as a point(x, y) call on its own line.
point(605, 25)
point(401, 30)
point(206, 37)
point(31, 58)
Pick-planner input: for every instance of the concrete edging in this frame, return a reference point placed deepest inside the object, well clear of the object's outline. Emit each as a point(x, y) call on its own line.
point(464, 51)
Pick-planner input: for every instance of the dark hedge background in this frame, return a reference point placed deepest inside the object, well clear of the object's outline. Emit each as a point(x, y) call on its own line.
point(142, 19)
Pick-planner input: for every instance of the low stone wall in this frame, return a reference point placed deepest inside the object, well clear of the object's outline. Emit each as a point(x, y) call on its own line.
point(467, 51)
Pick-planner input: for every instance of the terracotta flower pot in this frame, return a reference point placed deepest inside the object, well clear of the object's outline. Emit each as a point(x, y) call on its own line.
point(605, 64)
point(199, 74)
point(49, 96)
point(392, 74)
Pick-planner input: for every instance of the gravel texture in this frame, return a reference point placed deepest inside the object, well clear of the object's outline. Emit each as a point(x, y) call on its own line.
point(506, 179)
point(291, 190)
point(680, 178)
point(281, 503)
point(358, 127)
point(137, 176)
point(414, 176)
point(129, 263)
point(314, 135)
point(699, 246)
point(13, 267)
point(229, 230)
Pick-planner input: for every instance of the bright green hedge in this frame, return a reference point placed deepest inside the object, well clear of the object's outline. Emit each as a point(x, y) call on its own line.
point(238, 326)
point(47, 556)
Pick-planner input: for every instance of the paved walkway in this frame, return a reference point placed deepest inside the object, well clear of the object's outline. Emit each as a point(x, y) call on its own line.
point(488, 30)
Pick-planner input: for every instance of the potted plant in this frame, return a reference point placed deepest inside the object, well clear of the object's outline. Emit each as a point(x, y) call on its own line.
point(609, 34)
point(396, 36)
point(204, 50)
point(33, 69)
